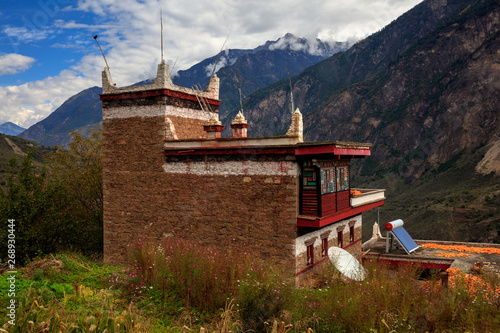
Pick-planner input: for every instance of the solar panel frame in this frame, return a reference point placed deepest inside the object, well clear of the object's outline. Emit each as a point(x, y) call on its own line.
point(405, 239)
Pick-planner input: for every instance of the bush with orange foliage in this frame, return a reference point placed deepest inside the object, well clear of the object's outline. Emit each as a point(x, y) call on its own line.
point(459, 279)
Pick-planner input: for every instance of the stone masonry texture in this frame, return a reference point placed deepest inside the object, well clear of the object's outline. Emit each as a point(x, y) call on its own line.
point(256, 213)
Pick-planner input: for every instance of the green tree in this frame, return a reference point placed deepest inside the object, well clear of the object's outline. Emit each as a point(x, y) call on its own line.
point(34, 204)
point(57, 207)
point(78, 170)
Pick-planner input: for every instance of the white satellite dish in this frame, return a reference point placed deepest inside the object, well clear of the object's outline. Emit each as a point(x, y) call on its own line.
point(346, 264)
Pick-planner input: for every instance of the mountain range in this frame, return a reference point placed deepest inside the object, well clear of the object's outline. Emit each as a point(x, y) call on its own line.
point(424, 90)
point(421, 90)
point(11, 128)
point(251, 69)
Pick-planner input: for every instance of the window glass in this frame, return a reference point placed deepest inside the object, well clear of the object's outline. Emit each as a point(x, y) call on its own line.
point(324, 247)
point(310, 254)
point(327, 180)
point(342, 178)
point(309, 176)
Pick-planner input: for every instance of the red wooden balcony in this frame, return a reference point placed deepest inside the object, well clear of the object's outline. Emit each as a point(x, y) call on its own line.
point(320, 210)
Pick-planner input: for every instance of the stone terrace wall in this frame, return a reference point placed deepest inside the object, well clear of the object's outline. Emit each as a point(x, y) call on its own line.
point(143, 199)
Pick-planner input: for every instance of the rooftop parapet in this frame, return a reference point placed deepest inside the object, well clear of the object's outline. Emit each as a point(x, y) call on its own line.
point(162, 81)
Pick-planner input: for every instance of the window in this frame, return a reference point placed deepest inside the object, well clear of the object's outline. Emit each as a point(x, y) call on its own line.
point(327, 180)
point(351, 234)
point(327, 176)
point(309, 176)
point(342, 178)
point(310, 254)
point(339, 238)
point(324, 247)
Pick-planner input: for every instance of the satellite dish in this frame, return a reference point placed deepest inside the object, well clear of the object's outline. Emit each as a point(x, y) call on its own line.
point(346, 263)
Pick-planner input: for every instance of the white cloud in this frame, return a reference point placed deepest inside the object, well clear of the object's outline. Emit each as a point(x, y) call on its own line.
point(14, 63)
point(223, 62)
point(129, 33)
point(74, 25)
point(130, 29)
point(25, 35)
point(29, 103)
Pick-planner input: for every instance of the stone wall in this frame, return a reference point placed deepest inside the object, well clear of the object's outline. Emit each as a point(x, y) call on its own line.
point(186, 116)
point(143, 199)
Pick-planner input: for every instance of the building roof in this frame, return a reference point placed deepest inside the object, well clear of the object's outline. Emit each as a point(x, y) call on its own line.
point(442, 256)
point(285, 144)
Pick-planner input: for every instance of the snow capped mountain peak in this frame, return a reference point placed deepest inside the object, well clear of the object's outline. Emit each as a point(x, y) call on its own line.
point(311, 46)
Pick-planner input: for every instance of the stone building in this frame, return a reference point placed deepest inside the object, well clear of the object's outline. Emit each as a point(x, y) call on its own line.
point(169, 173)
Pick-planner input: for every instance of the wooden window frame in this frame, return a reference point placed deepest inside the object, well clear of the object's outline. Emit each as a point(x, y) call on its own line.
point(324, 247)
point(342, 175)
point(310, 254)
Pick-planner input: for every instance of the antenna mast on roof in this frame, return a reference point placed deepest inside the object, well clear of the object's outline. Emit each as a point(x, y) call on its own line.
point(172, 69)
point(291, 88)
point(218, 57)
point(239, 89)
point(204, 104)
point(161, 24)
point(95, 37)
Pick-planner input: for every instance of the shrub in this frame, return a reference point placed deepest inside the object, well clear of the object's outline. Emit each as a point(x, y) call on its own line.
point(59, 209)
point(261, 299)
point(40, 225)
point(78, 171)
point(206, 278)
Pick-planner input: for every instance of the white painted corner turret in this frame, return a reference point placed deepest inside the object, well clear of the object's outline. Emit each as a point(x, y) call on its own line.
point(239, 126)
point(239, 119)
point(213, 121)
point(213, 87)
point(376, 235)
point(297, 126)
point(107, 81)
point(163, 79)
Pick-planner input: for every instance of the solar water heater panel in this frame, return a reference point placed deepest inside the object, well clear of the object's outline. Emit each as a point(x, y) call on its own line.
point(405, 239)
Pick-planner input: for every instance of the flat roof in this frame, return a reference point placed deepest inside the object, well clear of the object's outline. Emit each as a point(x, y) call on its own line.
point(287, 144)
point(462, 255)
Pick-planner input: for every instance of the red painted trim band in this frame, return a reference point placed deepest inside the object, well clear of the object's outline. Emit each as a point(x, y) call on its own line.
point(311, 266)
point(232, 151)
point(332, 149)
point(351, 244)
point(412, 263)
point(323, 221)
point(153, 93)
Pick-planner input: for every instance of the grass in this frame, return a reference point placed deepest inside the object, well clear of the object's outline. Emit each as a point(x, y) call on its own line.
point(156, 293)
point(68, 293)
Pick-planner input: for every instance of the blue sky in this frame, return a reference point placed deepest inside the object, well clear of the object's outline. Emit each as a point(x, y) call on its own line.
point(47, 53)
point(36, 30)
